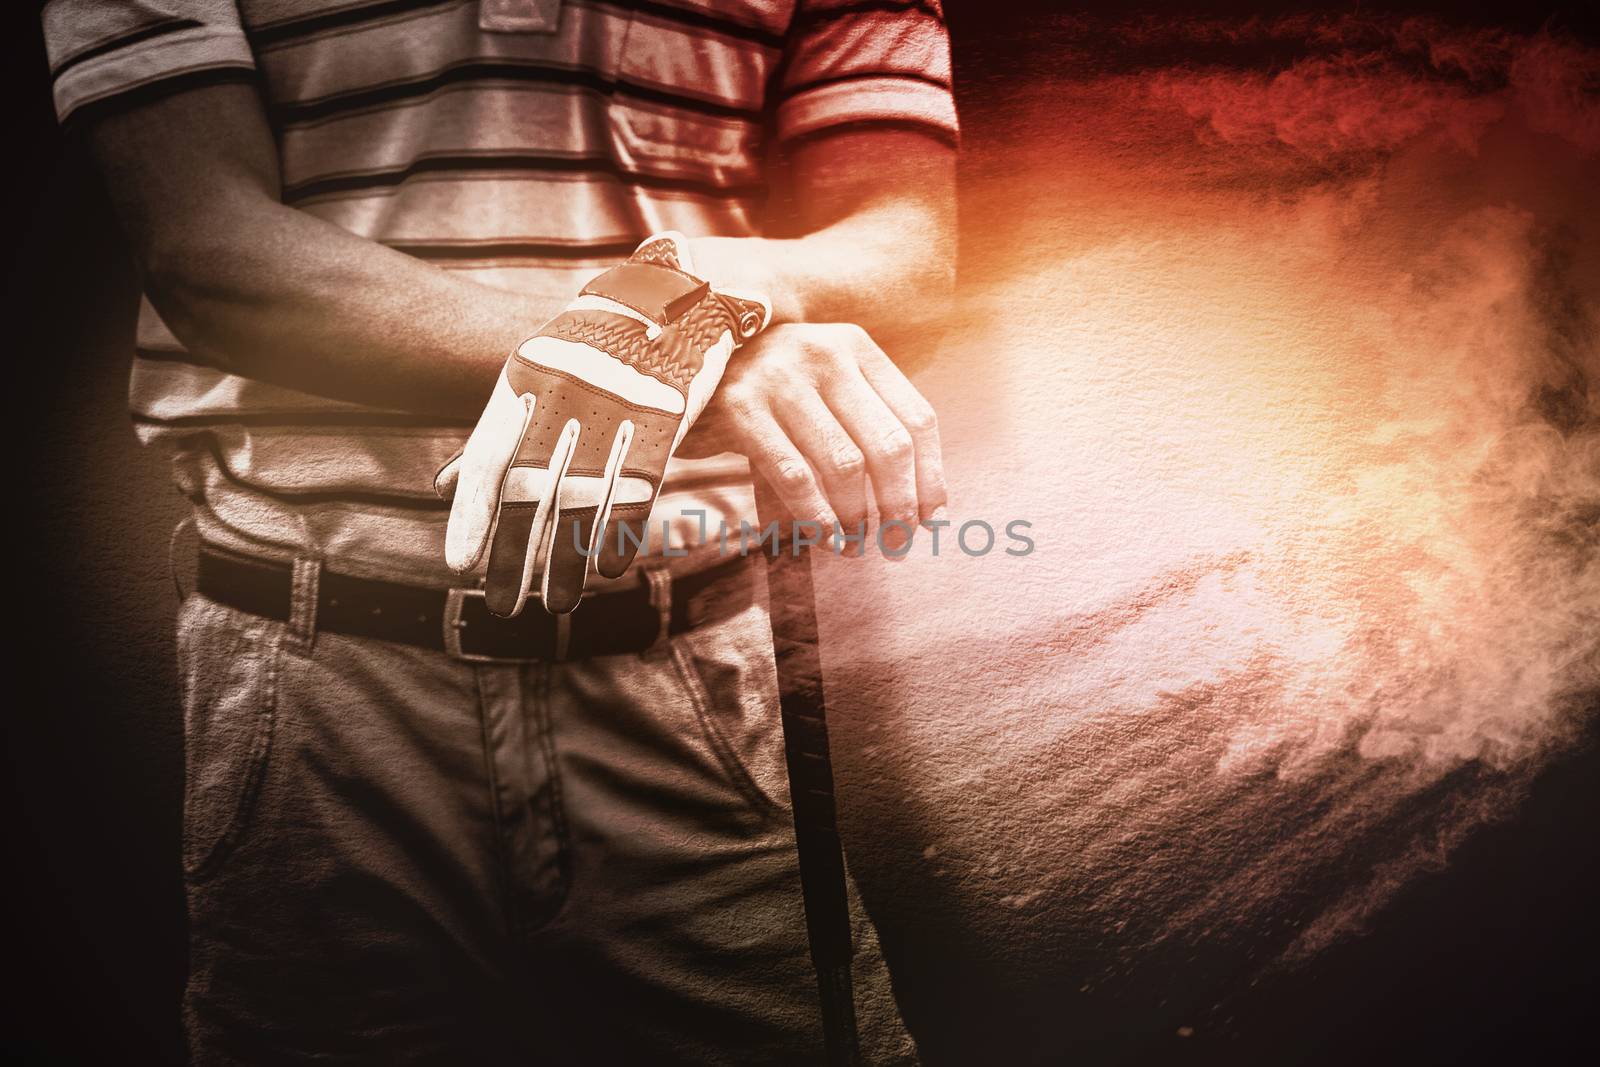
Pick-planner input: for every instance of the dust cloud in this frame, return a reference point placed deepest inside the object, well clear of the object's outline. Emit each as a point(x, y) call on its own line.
point(1295, 372)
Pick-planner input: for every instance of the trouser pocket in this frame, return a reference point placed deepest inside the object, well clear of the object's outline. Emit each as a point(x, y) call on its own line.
point(229, 664)
point(728, 673)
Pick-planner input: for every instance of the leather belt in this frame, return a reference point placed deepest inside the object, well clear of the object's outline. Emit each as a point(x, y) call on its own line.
point(455, 621)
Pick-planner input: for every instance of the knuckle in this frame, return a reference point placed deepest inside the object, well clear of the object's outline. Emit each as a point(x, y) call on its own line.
point(853, 333)
point(825, 359)
point(791, 474)
point(789, 381)
point(923, 420)
point(865, 347)
point(742, 401)
point(848, 461)
point(896, 444)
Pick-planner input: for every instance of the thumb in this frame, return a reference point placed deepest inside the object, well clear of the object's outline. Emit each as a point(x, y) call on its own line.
point(444, 483)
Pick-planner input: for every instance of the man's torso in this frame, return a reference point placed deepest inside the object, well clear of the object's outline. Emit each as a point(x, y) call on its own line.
point(527, 161)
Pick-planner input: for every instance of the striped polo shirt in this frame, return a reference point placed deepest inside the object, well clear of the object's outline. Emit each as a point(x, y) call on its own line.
point(528, 160)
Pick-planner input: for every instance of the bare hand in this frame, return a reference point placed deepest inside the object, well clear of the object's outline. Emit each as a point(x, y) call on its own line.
point(818, 409)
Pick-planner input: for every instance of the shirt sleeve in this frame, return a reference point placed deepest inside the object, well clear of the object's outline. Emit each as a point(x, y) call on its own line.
point(105, 56)
point(854, 62)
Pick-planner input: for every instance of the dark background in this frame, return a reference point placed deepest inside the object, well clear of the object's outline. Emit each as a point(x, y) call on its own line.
point(1490, 960)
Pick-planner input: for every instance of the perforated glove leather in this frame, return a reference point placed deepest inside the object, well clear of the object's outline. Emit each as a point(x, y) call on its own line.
point(575, 439)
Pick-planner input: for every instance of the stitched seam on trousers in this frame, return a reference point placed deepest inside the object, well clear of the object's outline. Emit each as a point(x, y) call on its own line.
point(492, 779)
point(558, 810)
point(191, 680)
point(243, 806)
point(738, 777)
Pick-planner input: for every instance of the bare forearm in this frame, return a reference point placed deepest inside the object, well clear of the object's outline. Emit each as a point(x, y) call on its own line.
point(876, 209)
point(277, 294)
point(283, 297)
point(280, 296)
point(882, 267)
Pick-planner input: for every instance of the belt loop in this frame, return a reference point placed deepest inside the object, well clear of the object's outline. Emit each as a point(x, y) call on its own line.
point(563, 635)
point(660, 581)
point(304, 589)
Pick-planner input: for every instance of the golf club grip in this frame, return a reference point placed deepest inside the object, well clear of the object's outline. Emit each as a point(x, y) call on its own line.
point(803, 707)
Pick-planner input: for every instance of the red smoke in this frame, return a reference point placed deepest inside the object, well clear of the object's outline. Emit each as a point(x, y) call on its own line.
point(1369, 87)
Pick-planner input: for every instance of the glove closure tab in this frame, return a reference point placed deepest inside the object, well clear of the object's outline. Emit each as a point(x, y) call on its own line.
point(659, 293)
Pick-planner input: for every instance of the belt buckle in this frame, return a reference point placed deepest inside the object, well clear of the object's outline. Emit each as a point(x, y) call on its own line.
point(455, 600)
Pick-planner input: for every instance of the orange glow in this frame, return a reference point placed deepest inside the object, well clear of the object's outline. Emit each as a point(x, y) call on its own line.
point(1296, 376)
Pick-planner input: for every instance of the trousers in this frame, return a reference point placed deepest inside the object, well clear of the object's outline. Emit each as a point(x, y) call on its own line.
point(393, 856)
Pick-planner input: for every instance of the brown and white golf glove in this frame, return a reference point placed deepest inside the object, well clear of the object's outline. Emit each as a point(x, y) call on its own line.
point(576, 436)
